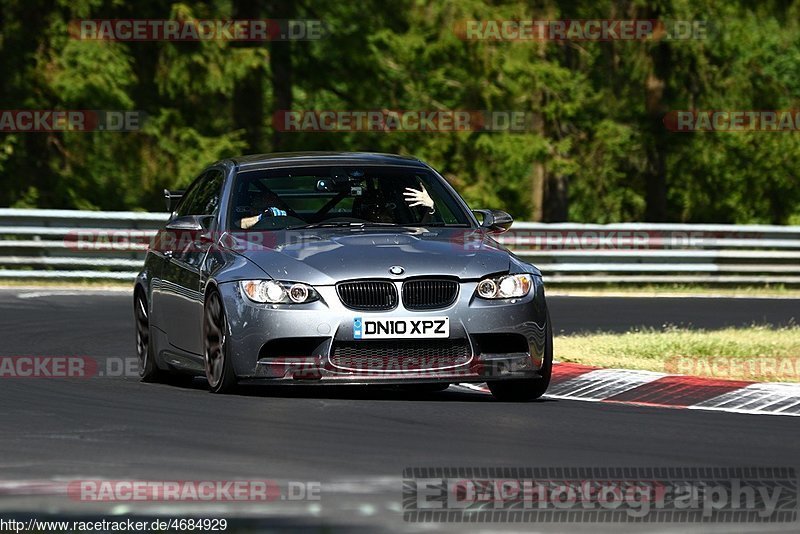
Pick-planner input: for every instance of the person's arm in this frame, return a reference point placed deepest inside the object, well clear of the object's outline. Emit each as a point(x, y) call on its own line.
point(248, 222)
point(420, 198)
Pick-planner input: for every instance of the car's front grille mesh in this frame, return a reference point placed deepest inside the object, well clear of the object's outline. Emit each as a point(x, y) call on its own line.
point(429, 294)
point(368, 295)
point(400, 355)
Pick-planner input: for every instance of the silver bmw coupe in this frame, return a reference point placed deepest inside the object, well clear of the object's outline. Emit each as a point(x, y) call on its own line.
point(352, 268)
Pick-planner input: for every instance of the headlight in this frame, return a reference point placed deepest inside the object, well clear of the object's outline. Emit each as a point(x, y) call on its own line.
point(505, 287)
point(275, 292)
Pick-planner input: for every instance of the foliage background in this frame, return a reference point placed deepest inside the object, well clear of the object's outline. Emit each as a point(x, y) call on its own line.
point(600, 153)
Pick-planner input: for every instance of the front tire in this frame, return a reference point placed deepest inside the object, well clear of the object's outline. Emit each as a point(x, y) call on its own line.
point(530, 388)
point(219, 369)
point(148, 370)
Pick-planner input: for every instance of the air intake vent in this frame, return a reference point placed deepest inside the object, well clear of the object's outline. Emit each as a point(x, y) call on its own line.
point(400, 355)
point(429, 294)
point(368, 295)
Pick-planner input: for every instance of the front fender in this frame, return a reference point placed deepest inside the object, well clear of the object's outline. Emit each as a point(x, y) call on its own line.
point(227, 266)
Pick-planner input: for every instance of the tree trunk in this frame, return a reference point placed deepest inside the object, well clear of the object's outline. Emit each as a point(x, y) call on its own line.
point(557, 201)
point(248, 92)
point(26, 32)
point(280, 63)
point(656, 170)
point(538, 177)
point(658, 57)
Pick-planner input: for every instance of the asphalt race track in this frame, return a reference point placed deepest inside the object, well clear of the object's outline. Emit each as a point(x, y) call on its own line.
point(580, 314)
point(355, 442)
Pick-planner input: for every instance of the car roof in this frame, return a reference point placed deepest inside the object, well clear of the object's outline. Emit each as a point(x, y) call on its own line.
point(282, 159)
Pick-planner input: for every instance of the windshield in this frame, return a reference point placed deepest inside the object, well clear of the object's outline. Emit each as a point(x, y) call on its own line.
point(342, 196)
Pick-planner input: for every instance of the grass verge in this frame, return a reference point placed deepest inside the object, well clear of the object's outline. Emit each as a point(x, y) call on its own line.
point(66, 284)
point(758, 353)
point(673, 290)
point(593, 290)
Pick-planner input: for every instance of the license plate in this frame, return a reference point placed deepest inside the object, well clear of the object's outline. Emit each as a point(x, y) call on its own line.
point(400, 327)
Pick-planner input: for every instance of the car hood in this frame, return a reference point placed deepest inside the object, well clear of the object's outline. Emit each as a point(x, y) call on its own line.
point(326, 256)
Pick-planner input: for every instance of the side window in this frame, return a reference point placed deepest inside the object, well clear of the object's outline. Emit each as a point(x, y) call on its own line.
point(188, 203)
point(203, 197)
point(210, 198)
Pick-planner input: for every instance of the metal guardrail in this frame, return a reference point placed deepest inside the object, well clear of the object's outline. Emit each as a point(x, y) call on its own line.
point(52, 244)
point(48, 244)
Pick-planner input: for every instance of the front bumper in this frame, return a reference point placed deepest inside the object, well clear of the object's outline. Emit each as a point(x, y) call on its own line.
point(294, 343)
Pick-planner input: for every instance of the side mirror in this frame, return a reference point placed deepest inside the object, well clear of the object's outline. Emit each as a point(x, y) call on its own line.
point(172, 198)
point(494, 221)
point(187, 223)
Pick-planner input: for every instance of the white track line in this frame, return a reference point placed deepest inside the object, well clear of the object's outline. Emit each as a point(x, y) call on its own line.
point(768, 398)
point(68, 293)
point(601, 384)
point(772, 398)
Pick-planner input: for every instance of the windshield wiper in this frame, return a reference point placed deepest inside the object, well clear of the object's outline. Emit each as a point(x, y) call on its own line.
point(439, 225)
point(339, 224)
